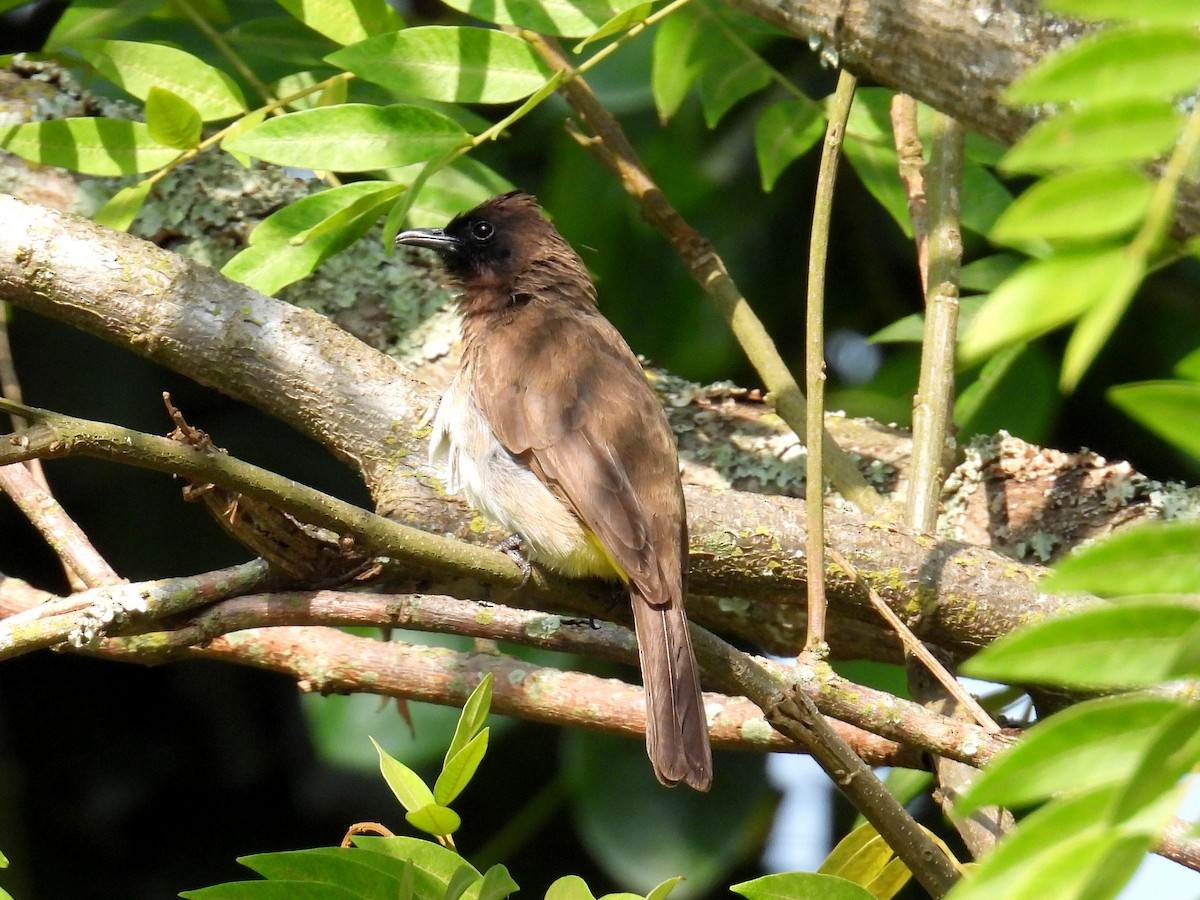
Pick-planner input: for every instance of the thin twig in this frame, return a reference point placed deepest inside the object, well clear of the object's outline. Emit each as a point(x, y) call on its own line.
point(29, 489)
point(58, 529)
point(910, 162)
point(933, 409)
point(814, 362)
point(914, 646)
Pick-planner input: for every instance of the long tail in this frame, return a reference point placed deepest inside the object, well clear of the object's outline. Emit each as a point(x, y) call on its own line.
point(676, 727)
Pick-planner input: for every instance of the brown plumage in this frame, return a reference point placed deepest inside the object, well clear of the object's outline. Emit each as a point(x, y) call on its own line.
point(551, 429)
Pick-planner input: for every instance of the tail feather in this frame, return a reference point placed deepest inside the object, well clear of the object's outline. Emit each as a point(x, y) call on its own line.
point(676, 726)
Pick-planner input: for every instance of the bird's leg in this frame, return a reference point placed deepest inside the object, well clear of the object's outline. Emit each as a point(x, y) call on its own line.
point(511, 547)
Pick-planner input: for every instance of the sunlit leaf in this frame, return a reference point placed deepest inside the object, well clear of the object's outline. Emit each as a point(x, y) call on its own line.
point(406, 784)
point(274, 259)
point(1153, 61)
point(172, 120)
point(345, 21)
point(122, 208)
point(1087, 745)
point(434, 819)
point(93, 146)
point(569, 887)
point(1099, 320)
point(801, 886)
point(1131, 644)
point(563, 18)
point(451, 63)
point(1158, 558)
point(350, 138)
point(137, 67)
point(497, 884)
point(1171, 409)
point(1172, 755)
point(1042, 295)
point(1129, 130)
point(460, 769)
point(1078, 205)
point(1180, 11)
point(618, 23)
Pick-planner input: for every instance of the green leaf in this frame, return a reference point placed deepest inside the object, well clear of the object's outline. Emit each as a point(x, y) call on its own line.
point(1085, 867)
point(562, 18)
point(460, 769)
point(406, 784)
point(474, 714)
point(497, 884)
point(1099, 320)
point(82, 20)
point(272, 890)
point(122, 208)
point(351, 138)
point(1159, 558)
point(801, 886)
point(136, 67)
point(663, 889)
point(1094, 743)
point(363, 873)
point(618, 23)
point(875, 166)
point(345, 21)
point(281, 39)
point(1130, 130)
point(862, 856)
point(1129, 645)
point(569, 887)
point(426, 856)
point(786, 131)
point(450, 63)
point(1189, 366)
point(1040, 296)
point(172, 120)
point(675, 67)
point(461, 882)
point(1023, 853)
point(984, 198)
point(272, 261)
point(1171, 409)
point(462, 185)
point(1155, 61)
point(988, 273)
point(1172, 755)
point(434, 819)
point(93, 146)
point(1183, 12)
point(1079, 205)
point(975, 395)
point(724, 82)
point(368, 206)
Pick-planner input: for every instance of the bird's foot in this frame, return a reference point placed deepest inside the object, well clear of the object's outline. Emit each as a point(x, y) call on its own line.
point(511, 547)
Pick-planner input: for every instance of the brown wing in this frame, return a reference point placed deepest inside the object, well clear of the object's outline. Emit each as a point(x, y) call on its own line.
point(562, 390)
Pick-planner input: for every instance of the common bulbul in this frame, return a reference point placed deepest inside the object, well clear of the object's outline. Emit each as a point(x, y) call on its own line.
point(551, 429)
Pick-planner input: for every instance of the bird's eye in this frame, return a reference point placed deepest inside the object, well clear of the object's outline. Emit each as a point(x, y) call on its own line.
point(482, 231)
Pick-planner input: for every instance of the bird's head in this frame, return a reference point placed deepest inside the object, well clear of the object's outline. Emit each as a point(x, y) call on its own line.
point(495, 244)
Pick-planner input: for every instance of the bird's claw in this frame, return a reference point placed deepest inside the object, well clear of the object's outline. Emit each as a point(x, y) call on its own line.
point(511, 547)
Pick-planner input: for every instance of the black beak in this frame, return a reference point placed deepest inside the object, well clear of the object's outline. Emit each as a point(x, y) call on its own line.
point(430, 238)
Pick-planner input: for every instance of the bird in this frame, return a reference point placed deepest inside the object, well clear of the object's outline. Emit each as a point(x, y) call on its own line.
point(551, 429)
